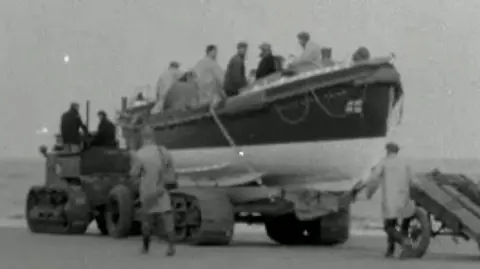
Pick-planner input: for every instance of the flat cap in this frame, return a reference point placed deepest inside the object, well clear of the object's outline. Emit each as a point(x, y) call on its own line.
point(392, 147)
point(265, 46)
point(303, 35)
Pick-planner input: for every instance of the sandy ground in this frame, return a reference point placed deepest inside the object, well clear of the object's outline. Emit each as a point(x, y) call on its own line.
point(251, 249)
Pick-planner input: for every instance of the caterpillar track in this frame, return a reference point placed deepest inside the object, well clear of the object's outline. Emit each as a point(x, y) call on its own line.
point(57, 210)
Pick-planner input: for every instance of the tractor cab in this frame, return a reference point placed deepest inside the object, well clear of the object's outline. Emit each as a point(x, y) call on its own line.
point(90, 160)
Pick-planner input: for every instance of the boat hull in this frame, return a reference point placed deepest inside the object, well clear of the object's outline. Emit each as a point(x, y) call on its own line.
point(305, 163)
point(328, 127)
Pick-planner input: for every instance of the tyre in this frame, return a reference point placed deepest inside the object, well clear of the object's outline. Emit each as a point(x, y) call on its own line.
point(119, 212)
point(330, 230)
point(420, 234)
point(285, 229)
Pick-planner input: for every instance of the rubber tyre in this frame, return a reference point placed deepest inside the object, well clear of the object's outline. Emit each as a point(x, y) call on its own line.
point(425, 235)
point(119, 200)
point(330, 230)
point(285, 229)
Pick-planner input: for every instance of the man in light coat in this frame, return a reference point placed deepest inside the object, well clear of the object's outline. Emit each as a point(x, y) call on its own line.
point(312, 52)
point(210, 77)
point(393, 176)
point(153, 164)
point(164, 83)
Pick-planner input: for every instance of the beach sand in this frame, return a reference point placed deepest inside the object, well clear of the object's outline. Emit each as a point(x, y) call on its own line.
point(21, 250)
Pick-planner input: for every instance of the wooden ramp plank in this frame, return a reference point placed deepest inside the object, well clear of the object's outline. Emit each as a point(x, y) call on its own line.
point(465, 201)
point(469, 219)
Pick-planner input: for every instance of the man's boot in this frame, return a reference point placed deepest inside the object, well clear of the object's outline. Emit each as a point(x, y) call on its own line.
point(146, 236)
point(390, 247)
point(146, 244)
point(171, 244)
point(407, 249)
point(169, 229)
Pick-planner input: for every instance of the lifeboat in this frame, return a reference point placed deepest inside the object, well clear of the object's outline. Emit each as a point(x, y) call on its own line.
point(306, 126)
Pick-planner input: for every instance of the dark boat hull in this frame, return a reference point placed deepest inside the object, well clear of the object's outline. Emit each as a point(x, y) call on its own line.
point(332, 125)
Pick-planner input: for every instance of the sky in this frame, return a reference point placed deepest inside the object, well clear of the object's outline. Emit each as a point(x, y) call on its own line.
point(117, 45)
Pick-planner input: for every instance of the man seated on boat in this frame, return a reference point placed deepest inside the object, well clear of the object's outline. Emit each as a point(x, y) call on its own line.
point(165, 81)
point(235, 76)
point(106, 132)
point(210, 77)
point(361, 54)
point(268, 63)
point(312, 52)
point(183, 95)
point(327, 57)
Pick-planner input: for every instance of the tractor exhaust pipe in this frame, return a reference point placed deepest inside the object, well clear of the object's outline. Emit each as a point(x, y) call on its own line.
point(87, 114)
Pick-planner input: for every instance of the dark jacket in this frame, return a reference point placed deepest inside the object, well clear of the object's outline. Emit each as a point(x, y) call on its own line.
point(106, 134)
point(69, 127)
point(235, 78)
point(266, 66)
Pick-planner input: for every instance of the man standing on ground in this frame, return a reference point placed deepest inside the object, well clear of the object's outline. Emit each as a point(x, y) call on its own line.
point(235, 77)
point(154, 164)
point(393, 175)
point(70, 126)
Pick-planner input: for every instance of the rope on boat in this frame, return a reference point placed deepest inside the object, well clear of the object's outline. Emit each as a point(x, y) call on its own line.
point(301, 118)
point(230, 140)
point(319, 103)
point(223, 129)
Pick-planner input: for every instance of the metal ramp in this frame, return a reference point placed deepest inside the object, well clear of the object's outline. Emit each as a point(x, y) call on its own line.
point(449, 200)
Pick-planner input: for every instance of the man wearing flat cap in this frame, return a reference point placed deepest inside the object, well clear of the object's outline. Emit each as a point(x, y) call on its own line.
point(312, 52)
point(393, 175)
point(267, 64)
point(235, 76)
point(153, 165)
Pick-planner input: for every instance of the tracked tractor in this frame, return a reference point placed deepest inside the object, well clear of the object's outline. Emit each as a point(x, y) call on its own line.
point(94, 185)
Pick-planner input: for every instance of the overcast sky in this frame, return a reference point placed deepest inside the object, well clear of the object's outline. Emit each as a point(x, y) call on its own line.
point(115, 45)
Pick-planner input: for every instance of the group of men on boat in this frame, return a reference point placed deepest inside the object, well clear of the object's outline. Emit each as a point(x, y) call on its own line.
point(207, 83)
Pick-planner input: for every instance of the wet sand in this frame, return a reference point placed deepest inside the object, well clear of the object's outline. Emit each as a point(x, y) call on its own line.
point(252, 249)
